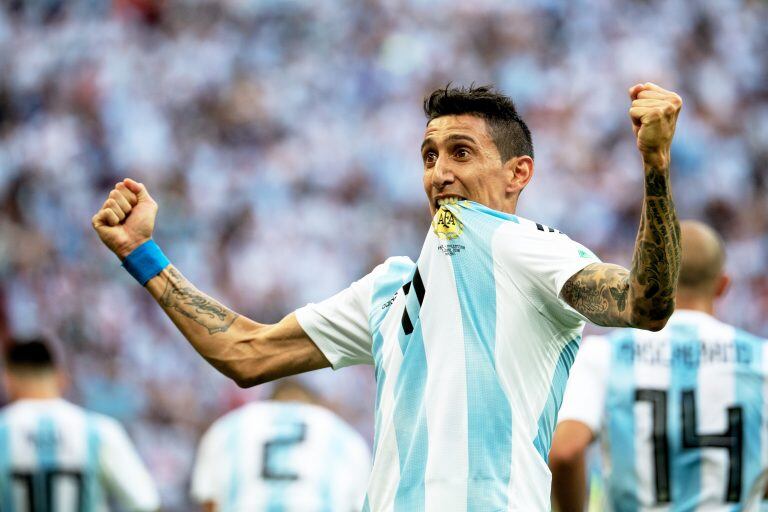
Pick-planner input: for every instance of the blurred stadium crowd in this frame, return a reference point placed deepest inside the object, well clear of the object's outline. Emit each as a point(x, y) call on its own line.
point(280, 138)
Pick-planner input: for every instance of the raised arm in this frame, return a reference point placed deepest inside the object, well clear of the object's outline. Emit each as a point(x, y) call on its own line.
point(643, 297)
point(244, 350)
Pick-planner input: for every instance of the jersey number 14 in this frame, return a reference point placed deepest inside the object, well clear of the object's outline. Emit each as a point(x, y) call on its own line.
point(730, 440)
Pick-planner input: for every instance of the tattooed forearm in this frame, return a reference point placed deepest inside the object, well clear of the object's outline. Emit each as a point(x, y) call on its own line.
point(187, 300)
point(656, 262)
point(612, 296)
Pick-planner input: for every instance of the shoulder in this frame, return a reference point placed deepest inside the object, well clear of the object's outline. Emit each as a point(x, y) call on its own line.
point(528, 237)
point(106, 426)
point(241, 413)
point(395, 266)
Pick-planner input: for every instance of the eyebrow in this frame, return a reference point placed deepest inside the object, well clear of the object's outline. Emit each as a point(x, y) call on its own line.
point(451, 138)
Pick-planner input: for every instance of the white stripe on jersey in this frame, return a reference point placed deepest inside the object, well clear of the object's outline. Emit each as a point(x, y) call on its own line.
point(445, 395)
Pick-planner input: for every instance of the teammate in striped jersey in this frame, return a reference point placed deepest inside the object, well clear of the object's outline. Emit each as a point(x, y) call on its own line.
point(472, 342)
point(680, 413)
point(287, 454)
point(56, 456)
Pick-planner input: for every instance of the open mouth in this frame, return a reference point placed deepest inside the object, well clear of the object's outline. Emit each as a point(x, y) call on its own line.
point(447, 199)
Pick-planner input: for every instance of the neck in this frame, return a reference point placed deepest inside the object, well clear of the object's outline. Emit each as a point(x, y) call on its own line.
point(694, 302)
point(43, 389)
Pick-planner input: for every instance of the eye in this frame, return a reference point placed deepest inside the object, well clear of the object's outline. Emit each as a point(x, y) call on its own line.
point(461, 153)
point(430, 157)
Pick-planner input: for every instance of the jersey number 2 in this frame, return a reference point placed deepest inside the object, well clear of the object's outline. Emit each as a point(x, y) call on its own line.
point(730, 440)
point(280, 445)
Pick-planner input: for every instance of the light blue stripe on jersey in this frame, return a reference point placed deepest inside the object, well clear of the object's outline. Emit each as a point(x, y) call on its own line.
point(685, 464)
point(91, 482)
point(548, 418)
point(749, 395)
point(410, 417)
point(622, 484)
point(288, 423)
point(384, 288)
point(234, 447)
point(6, 496)
point(489, 413)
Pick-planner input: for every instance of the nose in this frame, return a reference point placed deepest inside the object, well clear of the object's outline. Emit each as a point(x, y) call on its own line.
point(443, 174)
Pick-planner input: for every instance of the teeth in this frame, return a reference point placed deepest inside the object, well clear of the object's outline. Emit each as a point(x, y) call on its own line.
point(447, 200)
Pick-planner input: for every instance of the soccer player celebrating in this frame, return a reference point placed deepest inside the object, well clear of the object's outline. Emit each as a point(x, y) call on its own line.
point(471, 343)
point(57, 456)
point(287, 454)
point(680, 412)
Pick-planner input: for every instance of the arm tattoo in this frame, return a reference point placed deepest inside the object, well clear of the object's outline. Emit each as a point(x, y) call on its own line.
point(599, 292)
point(190, 302)
point(612, 296)
point(656, 262)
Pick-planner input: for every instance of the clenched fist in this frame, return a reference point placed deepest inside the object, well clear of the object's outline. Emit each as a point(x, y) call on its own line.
point(654, 114)
point(127, 218)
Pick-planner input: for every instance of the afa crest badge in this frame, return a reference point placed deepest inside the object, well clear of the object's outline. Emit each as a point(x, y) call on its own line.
point(446, 224)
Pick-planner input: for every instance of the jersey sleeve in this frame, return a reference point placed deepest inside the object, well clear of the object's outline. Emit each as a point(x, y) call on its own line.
point(542, 262)
point(204, 474)
point(584, 398)
point(339, 325)
point(124, 473)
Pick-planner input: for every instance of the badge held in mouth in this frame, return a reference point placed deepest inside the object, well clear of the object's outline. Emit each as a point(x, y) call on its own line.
point(446, 223)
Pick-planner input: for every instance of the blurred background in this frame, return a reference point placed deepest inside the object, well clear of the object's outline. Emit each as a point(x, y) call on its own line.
point(281, 140)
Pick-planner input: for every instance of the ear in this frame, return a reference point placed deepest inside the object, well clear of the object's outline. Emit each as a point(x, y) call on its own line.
point(723, 283)
point(519, 171)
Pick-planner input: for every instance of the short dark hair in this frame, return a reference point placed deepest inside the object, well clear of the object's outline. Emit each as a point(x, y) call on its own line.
point(508, 131)
point(29, 354)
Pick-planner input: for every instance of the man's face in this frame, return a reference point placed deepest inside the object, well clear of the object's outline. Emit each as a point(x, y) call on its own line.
point(461, 160)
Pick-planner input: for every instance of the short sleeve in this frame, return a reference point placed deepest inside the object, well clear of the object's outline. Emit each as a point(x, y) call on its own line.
point(124, 473)
point(204, 474)
point(584, 398)
point(542, 261)
point(339, 325)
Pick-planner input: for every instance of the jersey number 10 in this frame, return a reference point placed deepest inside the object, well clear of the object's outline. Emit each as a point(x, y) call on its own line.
point(46, 480)
point(730, 440)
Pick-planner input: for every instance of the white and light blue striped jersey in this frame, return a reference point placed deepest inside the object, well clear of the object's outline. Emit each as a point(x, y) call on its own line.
point(681, 413)
point(471, 346)
point(57, 456)
point(282, 457)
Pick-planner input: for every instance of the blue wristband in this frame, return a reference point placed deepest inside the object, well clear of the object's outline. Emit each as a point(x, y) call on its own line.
point(145, 262)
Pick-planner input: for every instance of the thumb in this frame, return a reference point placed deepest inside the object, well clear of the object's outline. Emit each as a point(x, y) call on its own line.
point(139, 189)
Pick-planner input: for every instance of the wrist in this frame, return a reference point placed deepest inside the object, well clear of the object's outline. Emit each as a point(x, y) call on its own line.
point(145, 262)
point(123, 251)
point(656, 161)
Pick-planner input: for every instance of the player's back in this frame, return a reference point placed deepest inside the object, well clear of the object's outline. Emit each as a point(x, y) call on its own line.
point(281, 456)
point(685, 419)
point(56, 456)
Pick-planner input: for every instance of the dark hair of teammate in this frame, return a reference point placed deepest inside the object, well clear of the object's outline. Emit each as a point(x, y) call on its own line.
point(29, 355)
point(508, 131)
